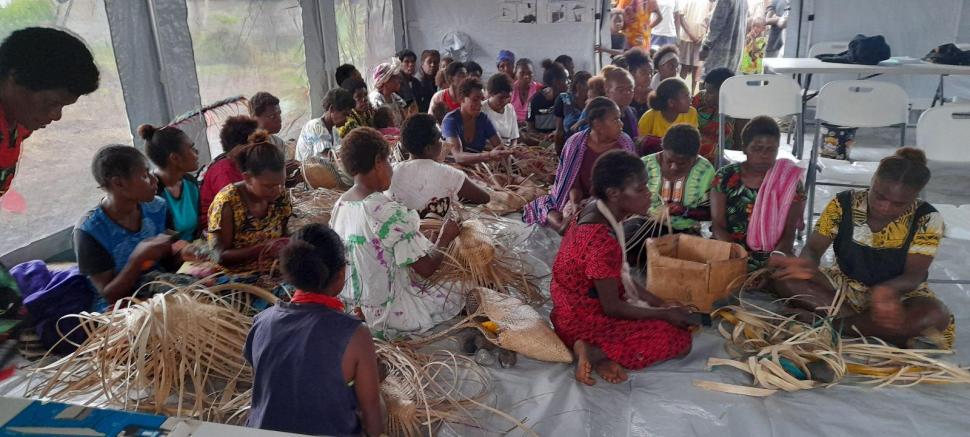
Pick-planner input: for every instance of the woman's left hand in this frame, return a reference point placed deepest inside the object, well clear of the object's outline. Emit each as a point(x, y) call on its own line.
point(887, 310)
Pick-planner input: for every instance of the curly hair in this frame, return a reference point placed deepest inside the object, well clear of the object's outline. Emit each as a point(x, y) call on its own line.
point(667, 90)
point(682, 139)
point(261, 102)
point(313, 258)
point(616, 169)
point(419, 132)
point(361, 149)
point(499, 83)
point(236, 131)
point(115, 160)
point(41, 58)
point(468, 86)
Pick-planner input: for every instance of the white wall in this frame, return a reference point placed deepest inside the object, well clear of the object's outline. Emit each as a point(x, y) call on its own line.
point(911, 27)
point(429, 20)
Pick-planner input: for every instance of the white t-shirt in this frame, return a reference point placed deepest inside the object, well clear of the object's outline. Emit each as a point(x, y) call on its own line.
point(667, 27)
point(314, 139)
point(506, 124)
point(425, 185)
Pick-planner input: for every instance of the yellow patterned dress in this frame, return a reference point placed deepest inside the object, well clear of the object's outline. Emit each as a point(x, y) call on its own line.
point(248, 231)
point(866, 258)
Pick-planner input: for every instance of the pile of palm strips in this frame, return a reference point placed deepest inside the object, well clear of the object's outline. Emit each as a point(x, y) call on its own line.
point(509, 191)
point(476, 258)
point(781, 353)
point(312, 206)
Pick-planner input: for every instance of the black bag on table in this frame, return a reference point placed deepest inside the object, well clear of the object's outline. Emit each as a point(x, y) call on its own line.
point(866, 50)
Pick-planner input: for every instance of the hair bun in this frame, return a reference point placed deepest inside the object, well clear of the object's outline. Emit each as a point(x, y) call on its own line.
point(147, 131)
point(547, 63)
point(259, 136)
point(913, 154)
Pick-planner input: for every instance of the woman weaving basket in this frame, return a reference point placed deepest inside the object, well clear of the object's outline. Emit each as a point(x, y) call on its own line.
point(574, 175)
point(885, 239)
point(385, 249)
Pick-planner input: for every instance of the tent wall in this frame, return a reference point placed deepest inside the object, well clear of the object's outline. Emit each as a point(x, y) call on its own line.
point(429, 20)
point(912, 28)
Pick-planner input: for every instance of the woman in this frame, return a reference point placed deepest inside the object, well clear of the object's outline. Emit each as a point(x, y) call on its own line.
point(595, 302)
point(667, 64)
point(523, 89)
point(469, 135)
point(639, 64)
point(884, 239)
point(387, 82)
point(541, 121)
point(706, 104)
point(505, 63)
point(569, 108)
point(574, 175)
point(669, 104)
point(222, 171)
point(618, 86)
point(679, 181)
point(455, 74)
point(290, 387)
point(386, 252)
point(124, 237)
point(175, 156)
point(363, 112)
point(430, 59)
point(738, 189)
point(248, 218)
point(423, 183)
point(499, 108)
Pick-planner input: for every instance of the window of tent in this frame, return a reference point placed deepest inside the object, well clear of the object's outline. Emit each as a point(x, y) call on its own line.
point(246, 46)
point(365, 33)
point(54, 185)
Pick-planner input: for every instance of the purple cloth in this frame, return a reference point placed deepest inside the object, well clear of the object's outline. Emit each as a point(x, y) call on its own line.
point(566, 174)
point(49, 296)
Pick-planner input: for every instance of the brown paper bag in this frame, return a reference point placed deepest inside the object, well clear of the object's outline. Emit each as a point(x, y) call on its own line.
point(693, 270)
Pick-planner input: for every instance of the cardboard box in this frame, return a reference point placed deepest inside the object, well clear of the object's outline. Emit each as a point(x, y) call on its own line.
point(694, 270)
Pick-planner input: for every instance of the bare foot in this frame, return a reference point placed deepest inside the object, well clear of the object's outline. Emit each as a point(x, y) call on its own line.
point(610, 371)
point(584, 368)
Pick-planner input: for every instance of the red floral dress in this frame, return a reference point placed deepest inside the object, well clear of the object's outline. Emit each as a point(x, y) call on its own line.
point(590, 252)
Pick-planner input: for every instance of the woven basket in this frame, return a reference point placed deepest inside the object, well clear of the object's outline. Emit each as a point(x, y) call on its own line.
point(520, 327)
point(322, 173)
point(474, 245)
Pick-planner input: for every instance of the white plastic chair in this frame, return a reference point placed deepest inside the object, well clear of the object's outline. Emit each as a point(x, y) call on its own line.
point(757, 94)
point(854, 103)
point(808, 94)
point(942, 133)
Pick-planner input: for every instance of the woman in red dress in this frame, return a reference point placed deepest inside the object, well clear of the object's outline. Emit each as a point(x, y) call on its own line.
point(591, 311)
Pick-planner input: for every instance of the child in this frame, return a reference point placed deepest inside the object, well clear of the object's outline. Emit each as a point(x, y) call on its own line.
point(174, 153)
point(246, 218)
point(423, 183)
point(569, 107)
point(667, 64)
point(235, 132)
point(265, 108)
point(590, 286)
point(541, 118)
point(498, 108)
point(363, 112)
point(669, 104)
point(124, 236)
point(738, 189)
point(706, 104)
point(385, 248)
point(319, 393)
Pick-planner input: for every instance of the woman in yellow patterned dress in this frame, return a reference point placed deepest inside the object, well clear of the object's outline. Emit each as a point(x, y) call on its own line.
point(885, 239)
point(247, 219)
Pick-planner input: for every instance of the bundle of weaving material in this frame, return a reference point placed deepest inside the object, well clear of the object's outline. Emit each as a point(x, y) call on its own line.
point(536, 163)
point(476, 259)
point(509, 191)
point(782, 353)
point(423, 392)
point(177, 354)
point(312, 206)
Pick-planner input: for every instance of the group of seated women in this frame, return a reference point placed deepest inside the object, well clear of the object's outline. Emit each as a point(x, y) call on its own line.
point(620, 163)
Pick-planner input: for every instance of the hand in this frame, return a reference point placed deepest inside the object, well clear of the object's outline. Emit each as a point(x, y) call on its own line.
point(887, 310)
point(449, 231)
point(153, 249)
point(790, 267)
point(678, 316)
point(597, 48)
point(676, 209)
point(569, 210)
point(551, 136)
point(499, 154)
point(704, 53)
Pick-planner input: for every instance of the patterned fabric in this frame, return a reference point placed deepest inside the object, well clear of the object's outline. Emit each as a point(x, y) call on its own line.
point(315, 139)
point(382, 241)
point(566, 175)
point(394, 103)
point(589, 252)
point(857, 295)
point(636, 22)
point(770, 214)
point(355, 120)
point(118, 241)
point(739, 204)
point(707, 123)
point(725, 36)
point(248, 231)
point(696, 189)
point(929, 232)
point(10, 140)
